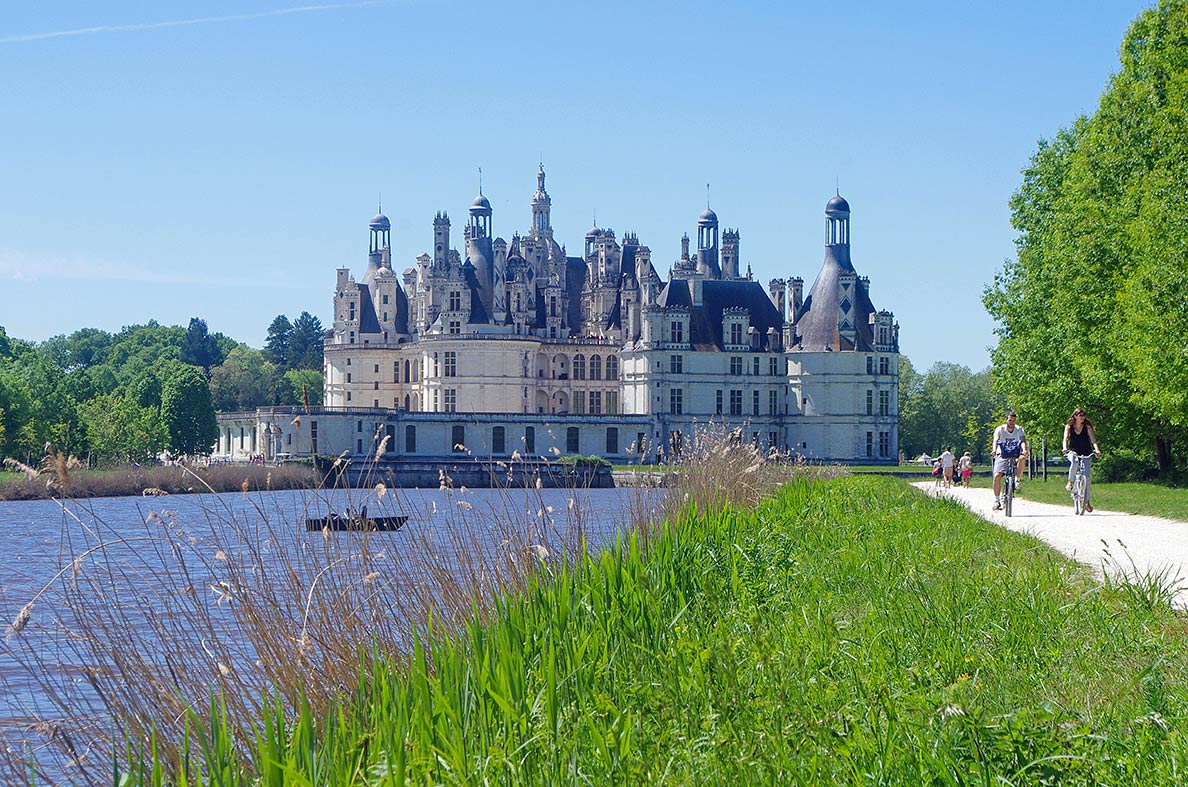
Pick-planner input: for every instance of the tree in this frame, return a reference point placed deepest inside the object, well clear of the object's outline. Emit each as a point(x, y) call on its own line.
point(1091, 312)
point(188, 412)
point(145, 390)
point(244, 381)
point(199, 348)
point(947, 406)
point(305, 343)
point(301, 384)
point(276, 346)
point(119, 429)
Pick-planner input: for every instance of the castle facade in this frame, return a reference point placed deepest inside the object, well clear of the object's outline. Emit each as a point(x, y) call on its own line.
point(516, 345)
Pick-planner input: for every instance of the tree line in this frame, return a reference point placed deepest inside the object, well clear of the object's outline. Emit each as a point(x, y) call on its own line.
point(128, 396)
point(1092, 311)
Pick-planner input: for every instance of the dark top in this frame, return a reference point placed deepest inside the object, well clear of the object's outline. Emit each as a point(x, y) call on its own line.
point(1080, 442)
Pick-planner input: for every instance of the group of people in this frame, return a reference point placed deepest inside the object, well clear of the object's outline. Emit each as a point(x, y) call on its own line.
point(944, 466)
point(1009, 444)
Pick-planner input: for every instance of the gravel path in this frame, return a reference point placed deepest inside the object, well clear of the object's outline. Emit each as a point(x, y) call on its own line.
point(1121, 545)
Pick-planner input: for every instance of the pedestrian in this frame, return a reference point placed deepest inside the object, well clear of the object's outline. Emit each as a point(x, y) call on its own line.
point(947, 461)
point(965, 465)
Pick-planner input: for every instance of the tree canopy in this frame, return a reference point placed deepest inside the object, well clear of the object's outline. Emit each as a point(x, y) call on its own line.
point(1092, 310)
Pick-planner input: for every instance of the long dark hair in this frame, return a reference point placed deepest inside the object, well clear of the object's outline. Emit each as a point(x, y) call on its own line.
point(1072, 419)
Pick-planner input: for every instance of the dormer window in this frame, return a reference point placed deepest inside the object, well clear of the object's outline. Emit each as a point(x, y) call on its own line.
point(736, 333)
point(455, 301)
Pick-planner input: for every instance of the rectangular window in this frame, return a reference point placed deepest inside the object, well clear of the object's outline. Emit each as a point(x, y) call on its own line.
point(375, 385)
point(884, 365)
point(772, 438)
point(455, 301)
point(718, 402)
point(595, 402)
point(755, 366)
point(572, 440)
point(870, 402)
point(595, 367)
point(497, 440)
point(884, 444)
point(313, 435)
point(451, 400)
point(348, 377)
point(870, 364)
point(736, 365)
point(348, 396)
point(773, 366)
point(736, 333)
point(436, 365)
point(385, 298)
point(884, 402)
point(676, 401)
point(451, 364)
point(458, 438)
point(678, 332)
point(530, 439)
point(736, 402)
point(773, 402)
point(359, 446)
point(579, 402)
point(676, 364)
point(358, 426)
point(612, 440)
point(436, 401)
point(754, 403)
point(612, 403)
point(455, 327)
point(870, 443)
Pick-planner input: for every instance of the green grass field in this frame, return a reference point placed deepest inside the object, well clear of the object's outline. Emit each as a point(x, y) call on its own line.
point(845, 632)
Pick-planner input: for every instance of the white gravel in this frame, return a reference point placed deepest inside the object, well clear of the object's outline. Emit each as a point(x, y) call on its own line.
point(1121, 545)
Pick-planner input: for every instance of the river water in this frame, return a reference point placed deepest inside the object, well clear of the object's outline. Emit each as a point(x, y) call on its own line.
point(167, 576)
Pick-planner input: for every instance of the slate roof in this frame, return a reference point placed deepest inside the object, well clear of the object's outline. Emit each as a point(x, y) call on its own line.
point(705, 323)
point(368, 321)
point(817, 325)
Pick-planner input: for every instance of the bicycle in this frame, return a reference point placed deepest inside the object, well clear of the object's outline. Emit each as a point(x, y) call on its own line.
point(1008, 487)
point(1080, 481)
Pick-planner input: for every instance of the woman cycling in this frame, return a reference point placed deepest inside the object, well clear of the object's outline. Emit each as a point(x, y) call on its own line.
point(1079, 438)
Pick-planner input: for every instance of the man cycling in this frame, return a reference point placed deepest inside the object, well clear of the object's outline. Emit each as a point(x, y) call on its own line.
point(1008, 445)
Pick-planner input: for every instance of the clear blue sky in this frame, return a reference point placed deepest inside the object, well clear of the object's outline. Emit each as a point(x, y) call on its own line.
point(221, 159)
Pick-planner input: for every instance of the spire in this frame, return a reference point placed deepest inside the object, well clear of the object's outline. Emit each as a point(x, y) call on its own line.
point(480, 181)
point(707, 203)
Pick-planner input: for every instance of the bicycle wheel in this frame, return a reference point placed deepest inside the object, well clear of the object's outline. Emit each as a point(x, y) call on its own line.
point(1078, 494)
point(1008, 494)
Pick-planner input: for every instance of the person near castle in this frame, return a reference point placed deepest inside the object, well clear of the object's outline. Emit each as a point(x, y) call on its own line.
point(947, 461)
point(965, 466)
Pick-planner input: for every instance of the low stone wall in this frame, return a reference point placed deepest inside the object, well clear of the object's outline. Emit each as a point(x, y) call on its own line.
point(476, 474)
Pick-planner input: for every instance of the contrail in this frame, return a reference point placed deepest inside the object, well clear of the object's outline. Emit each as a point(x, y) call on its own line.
point(82, 31)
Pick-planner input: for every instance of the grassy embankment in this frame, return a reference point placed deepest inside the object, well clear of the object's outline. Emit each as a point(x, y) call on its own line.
point(846, 631)
point(174, 480)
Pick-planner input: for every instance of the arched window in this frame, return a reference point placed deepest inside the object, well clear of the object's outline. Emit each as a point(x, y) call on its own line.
point(612, 367)
point(579, 367)
point(406, 371)
point(595, 367)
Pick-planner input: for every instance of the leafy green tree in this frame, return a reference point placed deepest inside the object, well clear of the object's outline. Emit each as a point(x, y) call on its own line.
point(82, 349)
point(188, 412)
point(276, 346)
point(145, 390)
point(244, 381)
point(305, 343)
point(1091, 311)
point(120, 429)
point(947, 406)
point(6, 350)
point(299, 384)
point(48, 412)
point(199, 348)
